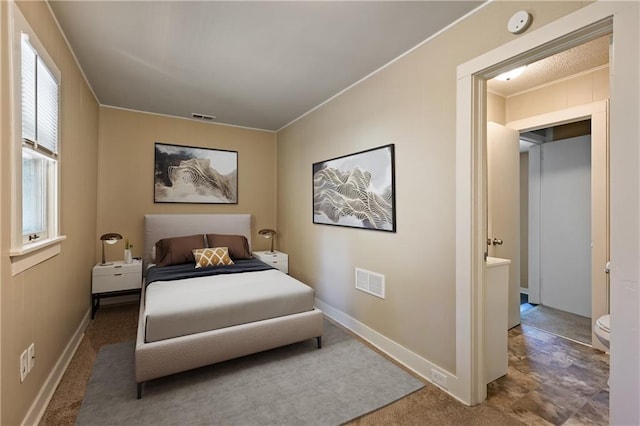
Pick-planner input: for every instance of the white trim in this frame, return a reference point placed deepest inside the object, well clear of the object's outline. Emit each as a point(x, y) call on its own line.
point(464, 323)
point(39, 405)
point(524, 290)
point(533, 279)
point(187, 118)
point(391, 349)
point(32, 247)
point(32, 255)
point(591, 21)
point(559, 117)
point(18, 25)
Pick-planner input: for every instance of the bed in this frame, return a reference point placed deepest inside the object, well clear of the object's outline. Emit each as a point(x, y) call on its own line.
point(189, 321)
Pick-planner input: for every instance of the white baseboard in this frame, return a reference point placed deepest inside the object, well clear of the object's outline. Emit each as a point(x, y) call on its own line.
point(524, 290)
point(394, 350)
point(37, 409)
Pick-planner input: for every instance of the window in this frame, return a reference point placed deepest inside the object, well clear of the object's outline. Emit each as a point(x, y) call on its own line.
point(39, 142)
point(36, 98)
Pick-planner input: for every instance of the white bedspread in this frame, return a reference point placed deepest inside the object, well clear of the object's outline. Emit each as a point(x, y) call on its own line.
point(193, 305)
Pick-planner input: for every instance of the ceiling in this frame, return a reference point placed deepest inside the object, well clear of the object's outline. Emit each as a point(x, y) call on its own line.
point(254, 64)
point(584, 57)
point(581, 58)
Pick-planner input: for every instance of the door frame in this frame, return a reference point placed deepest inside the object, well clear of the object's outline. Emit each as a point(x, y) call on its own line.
point(598, 113)
point(576, 28)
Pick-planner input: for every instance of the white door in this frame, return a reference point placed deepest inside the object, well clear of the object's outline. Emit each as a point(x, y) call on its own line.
point(565, 225)
point(503, 205)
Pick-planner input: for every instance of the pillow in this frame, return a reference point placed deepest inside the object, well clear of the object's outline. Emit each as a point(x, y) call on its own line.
point(217, 256)
point(237, 244)
point(177, 250)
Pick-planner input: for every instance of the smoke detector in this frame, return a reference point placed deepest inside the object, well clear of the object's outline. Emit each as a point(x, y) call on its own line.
point(519, 22)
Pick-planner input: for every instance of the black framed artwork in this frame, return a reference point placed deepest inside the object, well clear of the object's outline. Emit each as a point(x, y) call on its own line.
point(356, 190)
point(186, 174)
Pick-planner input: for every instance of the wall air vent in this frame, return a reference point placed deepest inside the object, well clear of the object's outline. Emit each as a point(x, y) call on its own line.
point(370, 282)
point(202, 116)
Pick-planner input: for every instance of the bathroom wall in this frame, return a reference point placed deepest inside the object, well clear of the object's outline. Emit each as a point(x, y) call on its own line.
point(496, 108)
point(579, 90)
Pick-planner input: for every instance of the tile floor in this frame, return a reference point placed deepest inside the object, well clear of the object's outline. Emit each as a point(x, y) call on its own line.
point(552, 380)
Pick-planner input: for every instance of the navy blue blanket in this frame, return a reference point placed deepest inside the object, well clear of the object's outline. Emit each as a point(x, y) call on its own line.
point(189, 270)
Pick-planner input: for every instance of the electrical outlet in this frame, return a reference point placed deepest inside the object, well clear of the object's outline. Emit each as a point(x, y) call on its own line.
point(439, 378)
point(24, 363)
point(31, 354)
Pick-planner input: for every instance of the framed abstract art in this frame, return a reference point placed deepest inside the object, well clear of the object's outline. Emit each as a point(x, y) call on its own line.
point(185, 174)
point(356, 190)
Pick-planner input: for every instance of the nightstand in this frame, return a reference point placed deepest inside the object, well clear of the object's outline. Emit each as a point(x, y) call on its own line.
point(117, 279)
point(277, 259)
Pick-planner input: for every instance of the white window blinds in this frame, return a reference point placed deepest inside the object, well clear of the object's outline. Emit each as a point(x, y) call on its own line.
point(28, 83)
point(40, 94)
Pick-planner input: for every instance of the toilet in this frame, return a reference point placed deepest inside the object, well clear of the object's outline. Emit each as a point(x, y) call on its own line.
point(602, 328)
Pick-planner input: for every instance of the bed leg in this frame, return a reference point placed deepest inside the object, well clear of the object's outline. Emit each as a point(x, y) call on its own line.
point(319, 341)
point(140, 390)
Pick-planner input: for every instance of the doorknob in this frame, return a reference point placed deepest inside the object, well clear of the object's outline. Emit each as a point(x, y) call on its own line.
point(497, 242)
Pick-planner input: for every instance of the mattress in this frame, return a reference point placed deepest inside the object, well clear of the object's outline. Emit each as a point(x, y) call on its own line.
point(194, 305)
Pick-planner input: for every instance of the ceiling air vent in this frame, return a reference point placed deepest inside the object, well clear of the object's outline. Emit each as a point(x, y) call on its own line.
point(202, 116)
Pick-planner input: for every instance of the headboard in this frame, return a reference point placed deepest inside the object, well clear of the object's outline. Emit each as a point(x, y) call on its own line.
point(159, 226)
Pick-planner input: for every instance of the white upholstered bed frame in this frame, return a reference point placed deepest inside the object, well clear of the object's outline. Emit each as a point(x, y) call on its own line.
point(169, 356)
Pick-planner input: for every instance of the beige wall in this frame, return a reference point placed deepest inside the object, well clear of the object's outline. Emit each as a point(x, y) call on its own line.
point(496, 105)
point(46, 304)
point(125, 172)
point(411, 103)
point(583, 89)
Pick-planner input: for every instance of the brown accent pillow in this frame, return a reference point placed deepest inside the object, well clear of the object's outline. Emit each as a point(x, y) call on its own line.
point(217, 256)
point(237, 244)
point(177, 250)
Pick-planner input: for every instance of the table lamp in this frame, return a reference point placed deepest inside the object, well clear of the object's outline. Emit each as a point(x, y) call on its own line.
point(268, 233)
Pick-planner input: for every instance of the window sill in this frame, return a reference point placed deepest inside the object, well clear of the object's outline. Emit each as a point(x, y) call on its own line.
point(30, 255)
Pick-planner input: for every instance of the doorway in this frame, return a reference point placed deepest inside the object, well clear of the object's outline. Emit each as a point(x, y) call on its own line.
point(593, 21)
point(598, 244)
point(560, 205)
point(563, 304)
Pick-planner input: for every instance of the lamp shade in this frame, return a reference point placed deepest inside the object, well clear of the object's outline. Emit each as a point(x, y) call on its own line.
point(109, 238)
point(268, 233)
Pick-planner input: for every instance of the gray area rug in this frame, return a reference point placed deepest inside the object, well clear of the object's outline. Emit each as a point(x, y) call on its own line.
point(561, 323)
point(294, 385)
